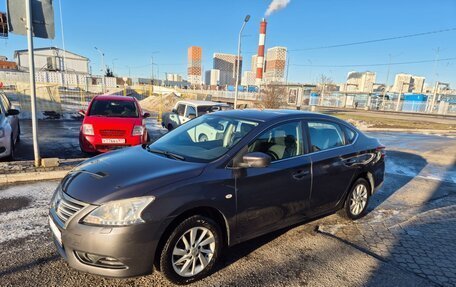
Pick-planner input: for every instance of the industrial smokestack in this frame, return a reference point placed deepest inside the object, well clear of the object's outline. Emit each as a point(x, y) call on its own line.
point(260, 57)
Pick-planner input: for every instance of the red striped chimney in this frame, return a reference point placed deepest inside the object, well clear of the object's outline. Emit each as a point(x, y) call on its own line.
point(260, 56)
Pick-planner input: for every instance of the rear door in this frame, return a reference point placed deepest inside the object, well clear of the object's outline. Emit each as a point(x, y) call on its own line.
point(331, 167)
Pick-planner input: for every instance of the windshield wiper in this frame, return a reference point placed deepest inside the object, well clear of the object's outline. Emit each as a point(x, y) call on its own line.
point(167, 153)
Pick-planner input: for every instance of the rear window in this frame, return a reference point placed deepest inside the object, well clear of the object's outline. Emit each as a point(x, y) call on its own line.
point(325, 135)
point(350, 135)
point(118, 109)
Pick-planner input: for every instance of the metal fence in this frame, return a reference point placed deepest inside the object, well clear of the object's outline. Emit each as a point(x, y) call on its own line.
point(61, 101)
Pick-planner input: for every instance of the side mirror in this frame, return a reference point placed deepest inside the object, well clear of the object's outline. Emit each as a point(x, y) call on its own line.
point(255, 159)
point(174, 111)
point(12, 112)
point(146, 115)
point(82, 113)
point(191, 116)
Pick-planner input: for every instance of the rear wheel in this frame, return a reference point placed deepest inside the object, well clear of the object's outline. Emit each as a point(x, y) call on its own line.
point(357, 200)
point(18, 138)
point(192, 250)
point(10, 157)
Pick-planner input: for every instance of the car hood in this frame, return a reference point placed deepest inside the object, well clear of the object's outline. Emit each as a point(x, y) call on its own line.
point(125, 173)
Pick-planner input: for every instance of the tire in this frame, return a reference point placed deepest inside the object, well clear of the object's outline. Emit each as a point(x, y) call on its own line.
point(170, 127)
point(188, 260)
point(202, 138)
point(357, 201)
point(10, 157)
point(18, 138)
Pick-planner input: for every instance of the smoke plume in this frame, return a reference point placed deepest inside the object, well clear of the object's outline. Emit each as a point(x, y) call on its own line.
point(275, 6)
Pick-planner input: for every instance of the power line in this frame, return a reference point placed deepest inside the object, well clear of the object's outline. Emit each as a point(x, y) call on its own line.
point(374, 40)
point(376, 64)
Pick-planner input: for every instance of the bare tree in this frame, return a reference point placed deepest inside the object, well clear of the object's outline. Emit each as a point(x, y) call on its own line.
point(272, 97)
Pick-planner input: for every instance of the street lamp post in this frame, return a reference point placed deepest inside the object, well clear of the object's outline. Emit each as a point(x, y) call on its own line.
point(103, 87)
point(236, 91)
point(113, 61)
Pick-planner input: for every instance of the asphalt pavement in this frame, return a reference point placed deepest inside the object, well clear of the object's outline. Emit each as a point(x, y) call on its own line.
point(60, 138)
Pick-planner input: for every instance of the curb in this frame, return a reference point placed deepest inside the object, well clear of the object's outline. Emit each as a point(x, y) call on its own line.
point(32, 176)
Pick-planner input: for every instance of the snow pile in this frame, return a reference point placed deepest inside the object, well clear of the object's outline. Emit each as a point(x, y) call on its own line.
point(362, 125)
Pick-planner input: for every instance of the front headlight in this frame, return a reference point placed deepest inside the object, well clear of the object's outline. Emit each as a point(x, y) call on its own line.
point(119, 212)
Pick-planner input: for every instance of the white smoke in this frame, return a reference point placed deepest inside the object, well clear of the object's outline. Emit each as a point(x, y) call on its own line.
point(275, 6)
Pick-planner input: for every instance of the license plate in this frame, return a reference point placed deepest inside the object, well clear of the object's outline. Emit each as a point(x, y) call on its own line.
point(113, 141)
point(55, 230)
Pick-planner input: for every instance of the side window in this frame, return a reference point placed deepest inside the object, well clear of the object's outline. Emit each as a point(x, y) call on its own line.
point(190, 110)
point(280, 142)
point(350, 135)
point(5, 102)
point(324, 135)
point(181, 110)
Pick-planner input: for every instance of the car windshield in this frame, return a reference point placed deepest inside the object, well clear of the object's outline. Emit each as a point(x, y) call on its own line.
point(114, 108)
point(209, 109)
point(205, 138)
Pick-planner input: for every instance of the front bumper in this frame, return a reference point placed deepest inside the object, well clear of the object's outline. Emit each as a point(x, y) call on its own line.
point(95, 144)
point(133, 247)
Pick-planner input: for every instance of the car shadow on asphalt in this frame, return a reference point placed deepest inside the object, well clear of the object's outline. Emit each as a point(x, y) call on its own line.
point(394, 183)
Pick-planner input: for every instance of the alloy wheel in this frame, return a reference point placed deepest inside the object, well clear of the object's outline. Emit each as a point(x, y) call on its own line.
point(358, 199)
point(193, 251)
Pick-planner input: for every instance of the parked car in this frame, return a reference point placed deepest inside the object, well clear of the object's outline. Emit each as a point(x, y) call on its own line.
point(112, 122)
point(178, 203)
point(184, 111)
point(10, 129)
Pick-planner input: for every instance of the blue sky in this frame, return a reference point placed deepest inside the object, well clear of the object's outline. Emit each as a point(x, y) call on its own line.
point(131, 31)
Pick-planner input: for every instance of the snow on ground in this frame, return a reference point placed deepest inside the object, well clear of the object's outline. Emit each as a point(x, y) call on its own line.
point(30, 220)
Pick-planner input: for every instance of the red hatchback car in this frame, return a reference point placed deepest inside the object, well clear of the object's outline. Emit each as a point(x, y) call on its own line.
point(112, 122)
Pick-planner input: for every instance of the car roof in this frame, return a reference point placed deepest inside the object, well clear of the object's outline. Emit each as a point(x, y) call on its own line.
point(267, 115)
point(200, 103)
point(114, 98)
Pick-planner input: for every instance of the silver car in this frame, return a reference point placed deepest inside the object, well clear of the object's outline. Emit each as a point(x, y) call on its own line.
point(9, 128)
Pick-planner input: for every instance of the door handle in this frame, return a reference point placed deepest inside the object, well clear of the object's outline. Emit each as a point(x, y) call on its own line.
point(349, 161)
point(298, 175)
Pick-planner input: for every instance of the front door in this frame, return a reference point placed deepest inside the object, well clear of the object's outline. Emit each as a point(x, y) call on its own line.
point(277, 195)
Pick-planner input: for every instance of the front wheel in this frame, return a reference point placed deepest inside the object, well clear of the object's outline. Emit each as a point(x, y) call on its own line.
point(357, 200)
point(192, 250)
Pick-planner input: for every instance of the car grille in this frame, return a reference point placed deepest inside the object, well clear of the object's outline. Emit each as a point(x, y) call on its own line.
point(66, 207)
point(112, 133)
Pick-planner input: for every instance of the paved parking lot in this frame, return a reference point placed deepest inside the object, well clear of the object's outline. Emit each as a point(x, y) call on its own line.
point(407, 239)
point(59, 138)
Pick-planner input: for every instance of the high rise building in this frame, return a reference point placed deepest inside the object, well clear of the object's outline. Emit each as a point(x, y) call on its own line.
point(408, 83)
point(194, 69)
point(227, 65)
point(253, 65)
point(212, 77)
point(173, 77)
point(360, 82)
point(248, 78)
point(276, 58)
